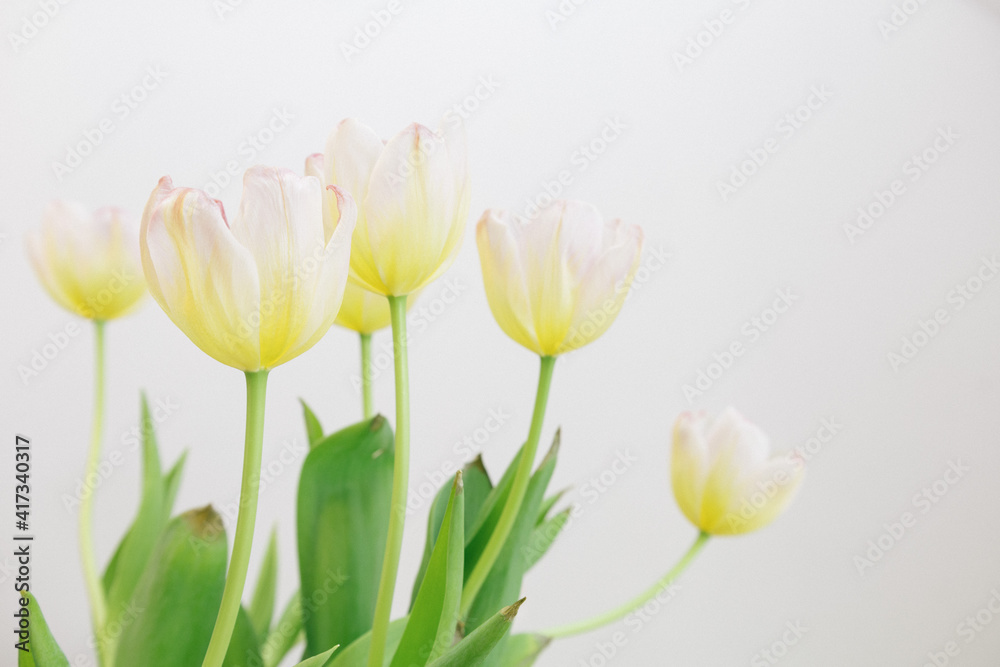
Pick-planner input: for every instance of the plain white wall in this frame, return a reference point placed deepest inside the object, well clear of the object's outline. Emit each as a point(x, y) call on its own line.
point(683, 127)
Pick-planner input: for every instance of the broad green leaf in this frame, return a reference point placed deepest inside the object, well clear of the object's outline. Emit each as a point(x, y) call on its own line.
point(489, 515)
point(343, 517)
point(520, 650)
point(36, 647)
point(431, 628)
point(285, 634)
point(141, 538)
point(318, 660)
point(244, 646)
point(477, 488)
point(170, 619)
point(503, 583)
point(314, 430)
point(356, 655)
point(474, 649)
point(542, 538)
point(262, 604)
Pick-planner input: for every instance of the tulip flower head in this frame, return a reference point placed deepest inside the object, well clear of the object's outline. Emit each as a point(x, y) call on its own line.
point(263, 290)
point(724, 478)
point(88, 263)
point(362, 310)
point(556, 283)
point(413, 201)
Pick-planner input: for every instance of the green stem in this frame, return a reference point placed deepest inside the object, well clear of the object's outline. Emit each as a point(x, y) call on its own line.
point(91, 575)
point(247, 517)
point(400, 479)
point(366, 375)
point(633, 604)
point(517, 491)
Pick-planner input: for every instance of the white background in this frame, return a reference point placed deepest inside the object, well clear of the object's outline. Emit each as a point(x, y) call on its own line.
point(686, 128)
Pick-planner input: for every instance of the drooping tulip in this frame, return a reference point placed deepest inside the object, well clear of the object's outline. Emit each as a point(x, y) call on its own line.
point(413, 201)
point(88, 263)
point(556, 283)
point(258, 292)
point(724, 477)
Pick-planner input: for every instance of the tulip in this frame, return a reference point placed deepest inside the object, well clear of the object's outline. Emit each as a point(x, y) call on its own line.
point(252, 295)
point(724, 480)
point(262, 291)
point(413, 199)
point(88, 263)
point(554, 284)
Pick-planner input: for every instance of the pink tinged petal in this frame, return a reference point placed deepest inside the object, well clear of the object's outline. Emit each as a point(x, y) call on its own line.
point(504, 277)
point(201, 276)
point(763, 494)
point(414, 202)
point(605, 284)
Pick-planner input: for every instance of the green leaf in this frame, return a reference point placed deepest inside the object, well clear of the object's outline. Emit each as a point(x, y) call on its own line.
point(314, 430)
point(318, 660)
point(138, 544)
point(356, 655)
point(171, 485)
point(474, 649)
point(542, 538)
point(244, 646)
point(489, 515)
point(343, 517)
point(170, 620)
point(548, 504)
point(477, 488)
point(520, 650)
point(262, 604)
point(285, 633)
point(504, 580)
point(431, 628)
point(40, 647)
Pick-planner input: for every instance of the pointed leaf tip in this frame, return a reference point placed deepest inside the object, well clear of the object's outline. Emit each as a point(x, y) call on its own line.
point(510, 612)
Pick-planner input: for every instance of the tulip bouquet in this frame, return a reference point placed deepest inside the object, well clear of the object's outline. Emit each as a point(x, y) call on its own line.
point(352, 242)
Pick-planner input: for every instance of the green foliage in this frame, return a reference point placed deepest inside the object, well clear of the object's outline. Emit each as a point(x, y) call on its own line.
point(42, 649)
point(262, 604)
point(244, 646)
point(343, 517)
point(433, 619)
point(474, 649)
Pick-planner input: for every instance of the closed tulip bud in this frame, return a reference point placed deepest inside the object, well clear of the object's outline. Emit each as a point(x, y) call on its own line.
point(556, 283)
point(258, 292)
point(88, 263)
point(363, 311)
point(413, 201)
point(724, 478)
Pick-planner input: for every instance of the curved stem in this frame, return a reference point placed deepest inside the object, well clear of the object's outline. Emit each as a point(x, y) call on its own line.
point(400, 480)
point(366, 375)
point(633, 604)
point(91, 575)
point(247, 517)
point(518, 489)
